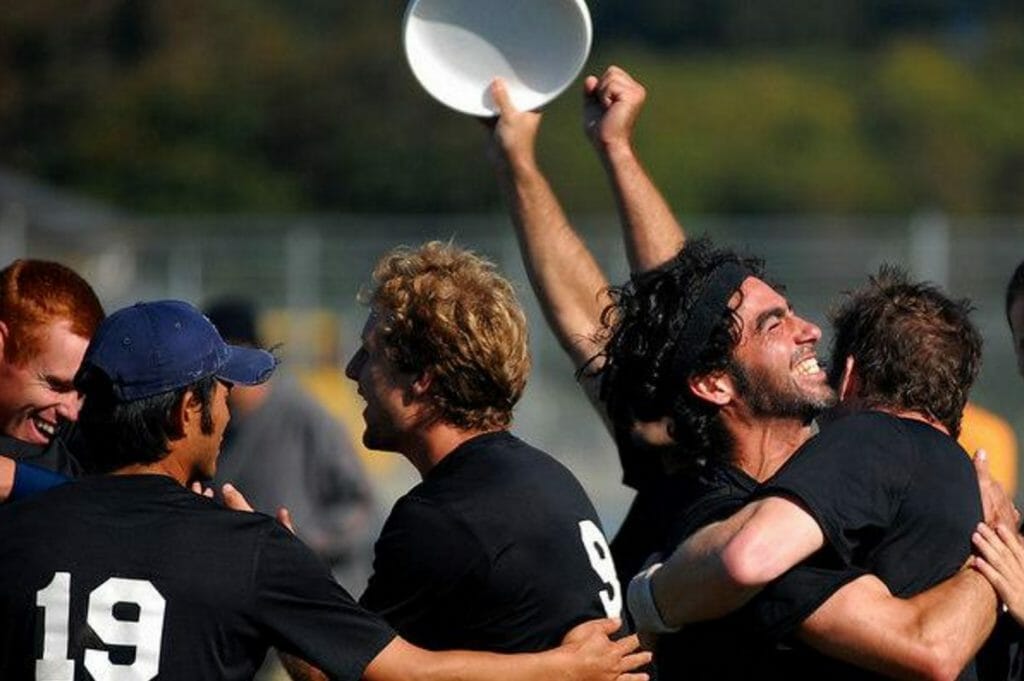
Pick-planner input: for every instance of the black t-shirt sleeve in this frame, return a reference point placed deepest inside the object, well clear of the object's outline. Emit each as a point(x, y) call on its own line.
point(851, 478)
point(305, 612)
point(782, 606)
point(423, 555)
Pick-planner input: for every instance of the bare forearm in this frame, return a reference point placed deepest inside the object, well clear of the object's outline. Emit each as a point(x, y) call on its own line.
point(563, 273)
point(475, 666)
point(592, 658)
point(932, 635)
point(651, 232)
point(695, 583)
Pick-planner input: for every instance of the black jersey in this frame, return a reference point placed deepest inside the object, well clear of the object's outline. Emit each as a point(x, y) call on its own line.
point(498, 548)
point(662, 497)
point(893, 496)
point(137, 577)
point(731, 648)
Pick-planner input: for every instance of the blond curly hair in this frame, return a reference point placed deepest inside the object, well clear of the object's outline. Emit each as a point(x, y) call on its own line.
point(446, 311)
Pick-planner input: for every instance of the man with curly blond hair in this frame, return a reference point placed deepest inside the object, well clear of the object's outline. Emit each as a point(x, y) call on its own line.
point(498, 548)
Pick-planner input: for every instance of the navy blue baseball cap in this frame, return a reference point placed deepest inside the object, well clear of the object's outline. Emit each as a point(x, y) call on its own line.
point(153, 348)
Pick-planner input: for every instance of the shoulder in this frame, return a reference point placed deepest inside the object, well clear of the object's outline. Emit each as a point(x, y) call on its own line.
point(873, 425)
point(713, 493)
point(417, 519)
point(854, 441)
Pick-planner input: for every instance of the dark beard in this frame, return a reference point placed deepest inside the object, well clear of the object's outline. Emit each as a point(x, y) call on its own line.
point(766, 400)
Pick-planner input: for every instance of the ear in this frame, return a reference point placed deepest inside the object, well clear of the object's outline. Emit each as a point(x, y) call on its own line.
point(4, 331)
point(849, 382)
point(421, 384)
point(186, 414)
point(715, 387)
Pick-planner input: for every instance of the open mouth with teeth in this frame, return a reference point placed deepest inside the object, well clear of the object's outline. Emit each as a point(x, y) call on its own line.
point(45, 428)
point(808, 367)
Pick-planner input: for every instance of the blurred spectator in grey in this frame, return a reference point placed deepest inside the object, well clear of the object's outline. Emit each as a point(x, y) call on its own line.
point(282, 448)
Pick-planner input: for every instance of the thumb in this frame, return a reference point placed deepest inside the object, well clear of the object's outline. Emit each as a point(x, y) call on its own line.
point(981, 461)
point(499, 92)
point(284, 516)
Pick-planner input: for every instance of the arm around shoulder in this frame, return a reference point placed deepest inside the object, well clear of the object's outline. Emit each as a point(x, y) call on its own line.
point(725, 564)
point(586, 654)
point(933, 635)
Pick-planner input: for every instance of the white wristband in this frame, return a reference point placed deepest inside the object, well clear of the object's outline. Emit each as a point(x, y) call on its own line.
point(640, 601)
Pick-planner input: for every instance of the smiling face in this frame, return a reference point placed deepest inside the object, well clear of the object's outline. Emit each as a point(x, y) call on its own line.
point(776, 367)
point(37, 392)
point(389, 411)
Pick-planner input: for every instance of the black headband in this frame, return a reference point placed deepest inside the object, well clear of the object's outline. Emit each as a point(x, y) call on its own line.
point(705, 315)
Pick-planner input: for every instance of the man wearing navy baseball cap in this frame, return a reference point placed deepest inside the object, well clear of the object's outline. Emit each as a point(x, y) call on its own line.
point(131, 575)
point(155, 371)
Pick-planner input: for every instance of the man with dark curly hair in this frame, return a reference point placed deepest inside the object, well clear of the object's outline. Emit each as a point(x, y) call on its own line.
point(884, 488)
point(701, 346)
point(498, 548)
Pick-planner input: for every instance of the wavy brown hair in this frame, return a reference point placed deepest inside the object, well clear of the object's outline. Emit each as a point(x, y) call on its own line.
point(915, 348)
point(445, 311)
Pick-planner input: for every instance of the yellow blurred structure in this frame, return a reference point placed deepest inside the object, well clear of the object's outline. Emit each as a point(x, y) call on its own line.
point(310, 342)
point(337, 395)
point(983, 429)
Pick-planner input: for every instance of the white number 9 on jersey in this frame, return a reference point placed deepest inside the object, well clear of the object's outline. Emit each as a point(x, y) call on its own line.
point(601, 560)
point(143, 634)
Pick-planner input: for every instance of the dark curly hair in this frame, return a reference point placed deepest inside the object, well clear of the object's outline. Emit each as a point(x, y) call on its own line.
point(915, 348)
point(642, 327)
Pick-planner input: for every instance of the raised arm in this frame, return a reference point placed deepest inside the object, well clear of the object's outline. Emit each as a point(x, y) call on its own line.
point(651, 232)
point(567, 280)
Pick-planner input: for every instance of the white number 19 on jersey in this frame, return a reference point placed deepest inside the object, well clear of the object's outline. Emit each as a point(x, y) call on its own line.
point(143, 634)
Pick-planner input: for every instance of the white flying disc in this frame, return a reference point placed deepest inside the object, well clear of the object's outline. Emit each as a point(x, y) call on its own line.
point(457, 47)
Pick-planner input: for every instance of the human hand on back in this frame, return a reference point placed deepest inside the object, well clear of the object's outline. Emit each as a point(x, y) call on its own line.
point(594, 656)
point(236, 501)
point(997, 507)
